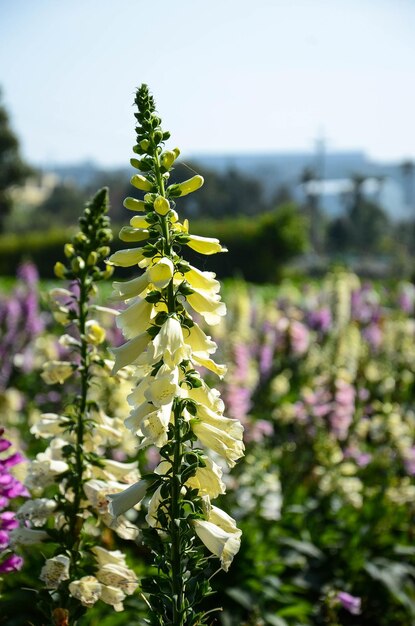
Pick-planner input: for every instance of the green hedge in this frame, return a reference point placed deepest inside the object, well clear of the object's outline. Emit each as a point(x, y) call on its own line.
point(258, 247)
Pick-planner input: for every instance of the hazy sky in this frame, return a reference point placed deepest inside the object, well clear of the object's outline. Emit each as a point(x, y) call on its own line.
point(227, 75)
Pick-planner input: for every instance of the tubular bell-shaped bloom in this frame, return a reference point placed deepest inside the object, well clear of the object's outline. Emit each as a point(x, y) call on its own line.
point(172, 407)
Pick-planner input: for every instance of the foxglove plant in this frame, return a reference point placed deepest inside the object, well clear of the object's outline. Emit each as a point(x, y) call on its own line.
point(173, 408)
point(68, 478)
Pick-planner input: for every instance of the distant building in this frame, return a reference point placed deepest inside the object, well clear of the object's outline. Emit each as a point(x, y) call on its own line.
point(333, 194)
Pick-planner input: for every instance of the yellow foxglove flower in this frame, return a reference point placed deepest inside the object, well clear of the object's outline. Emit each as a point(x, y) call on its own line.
point(59, 270)
point(228, 425)
point(140, 182)
point(169, 344)
point(56, 372)
point(210, 307)
point(121, 502)
point(128, 233)
point(199, 342)
point(151, 422)
point(218, 369)
point(95, 334)
point(169, 157)
point(126, 258)
point(130, 288)
point(207, 396)
point(134, 205)
point(139, 221)
point(129, 352)
point(161, 205)
point(223, 443)
point(163, 388)
point(161, 272)
point(190, 185)
point(208, 480)
point(155, 426)
point(205, 245)
point(206, 281)
point(135, 319)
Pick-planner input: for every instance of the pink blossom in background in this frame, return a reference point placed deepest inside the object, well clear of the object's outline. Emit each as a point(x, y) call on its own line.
point(352, 604)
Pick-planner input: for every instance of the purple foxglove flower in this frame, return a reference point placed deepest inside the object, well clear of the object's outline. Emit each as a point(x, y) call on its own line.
point(350, 603)
point(320, 319)
point(13, 459)
point(12, 563)
point(4, 444)
point(4, 539)
point(8, 520)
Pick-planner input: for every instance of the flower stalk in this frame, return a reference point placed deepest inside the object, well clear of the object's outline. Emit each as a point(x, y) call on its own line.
point(173, 409)
point(71, 469)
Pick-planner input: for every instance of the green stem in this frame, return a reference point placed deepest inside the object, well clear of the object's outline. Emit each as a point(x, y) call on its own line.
point(175, 484)
point(177, 574)
point(80, 424)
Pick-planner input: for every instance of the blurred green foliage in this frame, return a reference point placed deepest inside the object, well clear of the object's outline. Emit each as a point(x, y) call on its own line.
point(258, 247)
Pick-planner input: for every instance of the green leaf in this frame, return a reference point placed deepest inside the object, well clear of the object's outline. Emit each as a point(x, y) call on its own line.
point(303, 547)
point(241, 597)
point(274, 620)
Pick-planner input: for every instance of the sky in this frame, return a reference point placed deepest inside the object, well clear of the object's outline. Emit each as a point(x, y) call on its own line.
point(228, 76)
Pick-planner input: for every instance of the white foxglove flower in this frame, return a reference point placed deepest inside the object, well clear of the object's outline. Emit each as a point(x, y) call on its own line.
point(37, 511)
point(118, 576)
point(117, 471)
point(104, 556)
point(112, 596)
point(55, 571)
point(42, 472)
point(119, 503)
point(27, 536)
point(153, 506)
point(49, 425)
point(222, 543)
point(87, 590)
